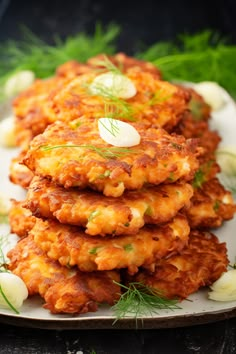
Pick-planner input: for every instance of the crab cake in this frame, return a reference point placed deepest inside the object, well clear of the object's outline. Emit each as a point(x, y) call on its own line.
point(211, 205)
point(20, 174)
point(71, 246)
point(64, 290)
point(201, 263)
point(21, 219)
point(156, 102)
point(102, 215)
point(190, 128)
point(30, 115)
point(80, 157)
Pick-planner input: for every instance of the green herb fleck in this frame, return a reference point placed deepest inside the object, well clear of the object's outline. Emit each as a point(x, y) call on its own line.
point(126, 224)
point(93, 215)
point(171, 177)
point(199, 179)
point(216, 205)
point(148, 211)
point(93, 250)
point(128, 247)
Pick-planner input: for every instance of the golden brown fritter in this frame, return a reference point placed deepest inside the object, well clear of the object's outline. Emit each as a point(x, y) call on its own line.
point(72, 69)
point(102, 215)
point(198, 129)
point(71, 246)
point(201, 263)
point(65, 290)
point(66, 97)
point(211, 205)
point(156, 102)
point(158, 158)
point(199, 109)
point(31, 118)
point(21, 219)
point(19, 173)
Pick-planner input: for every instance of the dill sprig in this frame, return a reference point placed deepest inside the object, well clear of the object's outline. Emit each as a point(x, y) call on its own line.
point(106, 63)
point(32, 53)
point(114, 107)
point(140, 300)
point(105, 152)
point(204, 56)
point(111, 126)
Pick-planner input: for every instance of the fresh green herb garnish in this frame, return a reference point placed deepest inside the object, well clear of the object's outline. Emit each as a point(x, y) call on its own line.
point(128, 247)
point(111, 127)
point(93, 250)
point(140, 300)
point(105, 152)
point(105, 63)
point(204, 56)
point(199, 179)
point(93, 215)
point(31, 53)
point(216, 205)
point(148, 211)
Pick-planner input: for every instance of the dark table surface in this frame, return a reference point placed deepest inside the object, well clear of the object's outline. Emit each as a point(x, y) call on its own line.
point(214, 338)
point(147, 21)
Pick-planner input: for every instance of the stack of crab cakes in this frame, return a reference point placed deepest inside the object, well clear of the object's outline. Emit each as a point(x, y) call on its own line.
point(95, 208)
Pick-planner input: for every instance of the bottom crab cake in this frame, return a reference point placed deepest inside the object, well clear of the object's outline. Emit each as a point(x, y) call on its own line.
point(199, 264)
point(102, 215)
point(64, 289)
point(72, 247)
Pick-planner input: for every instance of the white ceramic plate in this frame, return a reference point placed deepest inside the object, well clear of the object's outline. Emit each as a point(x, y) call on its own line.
point(199, 310)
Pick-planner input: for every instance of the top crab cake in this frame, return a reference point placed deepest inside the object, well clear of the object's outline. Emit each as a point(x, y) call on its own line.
point(77, 156)
point(68, 96)
point(154, 101)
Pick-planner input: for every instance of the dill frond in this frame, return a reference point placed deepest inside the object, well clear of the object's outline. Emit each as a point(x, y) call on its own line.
point(204, 56)
point(32, 53)
point(106, 64)
point(140, 300)
point(111, 127)
point(105, 152)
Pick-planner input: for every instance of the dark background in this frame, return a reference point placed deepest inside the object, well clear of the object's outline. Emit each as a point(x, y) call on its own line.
point(146, 22)
point(141, 21)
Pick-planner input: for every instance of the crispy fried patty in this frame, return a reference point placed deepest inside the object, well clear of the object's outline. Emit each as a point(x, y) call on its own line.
point(211, 205)
point(102, 215)
point(66, 97)
point(79, 157)
point(64, 290)
point(71, 246)
point(201, 263)
point(21, 219)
